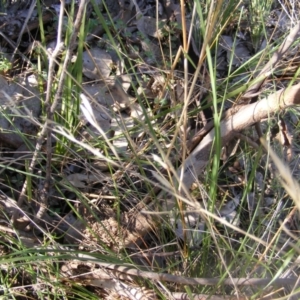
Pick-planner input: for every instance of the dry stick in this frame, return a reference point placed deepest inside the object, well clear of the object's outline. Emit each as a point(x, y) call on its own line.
point(120, 270)
point(47, 129)
point(106, 279)
point(185, 296)
point(198, 159)
point(253, 90)
point(58, 95)
point(44, 129)
point(245, 117)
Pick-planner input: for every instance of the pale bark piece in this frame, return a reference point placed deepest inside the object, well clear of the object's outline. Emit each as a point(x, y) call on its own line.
point(243, 118)
point(96, 63)
point(137, 112)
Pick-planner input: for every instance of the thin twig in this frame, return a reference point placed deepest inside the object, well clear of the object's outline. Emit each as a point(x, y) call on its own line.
point(43, 194)
point(29, 14)
point(46, 130)
point(129, 270)
point(58, 95)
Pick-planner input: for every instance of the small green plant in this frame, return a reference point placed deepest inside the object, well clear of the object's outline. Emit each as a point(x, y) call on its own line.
point(258, 12)
point(5, 64)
